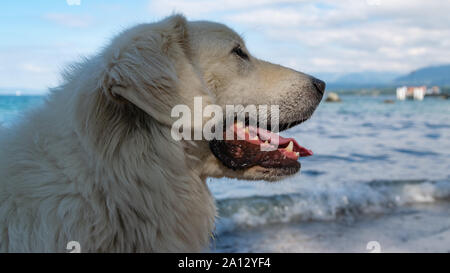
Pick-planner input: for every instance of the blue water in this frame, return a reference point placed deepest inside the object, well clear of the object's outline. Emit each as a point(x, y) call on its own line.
point(13, 107)
point(369, 157)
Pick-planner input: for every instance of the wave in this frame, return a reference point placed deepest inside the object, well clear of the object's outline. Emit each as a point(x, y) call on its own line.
point(328, 203)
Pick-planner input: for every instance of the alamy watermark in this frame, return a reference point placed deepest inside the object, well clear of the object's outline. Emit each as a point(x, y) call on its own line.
point(248, 122)
point(374, 247)
point(73, 247)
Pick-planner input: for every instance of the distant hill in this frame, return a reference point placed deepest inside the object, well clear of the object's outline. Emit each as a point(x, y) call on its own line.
point(431, 75)
point(367, 78)
point(357, 80)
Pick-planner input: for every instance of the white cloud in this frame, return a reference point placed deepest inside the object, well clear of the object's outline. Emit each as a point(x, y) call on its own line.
point(336, 36)
point(272, 18)
point(349, 35)
point(202, 7)
point(34, 67)
point(29, 67)
point(69, 20)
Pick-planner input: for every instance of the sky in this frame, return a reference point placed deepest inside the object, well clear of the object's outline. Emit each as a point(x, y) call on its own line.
point(330, 37)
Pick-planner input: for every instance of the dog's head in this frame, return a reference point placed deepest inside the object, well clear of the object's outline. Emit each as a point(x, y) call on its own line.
point(158, 66)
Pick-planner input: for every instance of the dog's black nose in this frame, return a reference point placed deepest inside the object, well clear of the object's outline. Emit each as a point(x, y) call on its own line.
point(320, 85)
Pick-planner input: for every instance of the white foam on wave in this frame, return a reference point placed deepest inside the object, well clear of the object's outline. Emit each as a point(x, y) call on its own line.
point(324, 203)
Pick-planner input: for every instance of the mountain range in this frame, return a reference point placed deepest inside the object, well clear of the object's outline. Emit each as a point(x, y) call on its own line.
point(430, 75)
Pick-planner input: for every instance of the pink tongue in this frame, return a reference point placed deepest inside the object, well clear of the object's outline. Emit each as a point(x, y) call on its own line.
point(276, 139)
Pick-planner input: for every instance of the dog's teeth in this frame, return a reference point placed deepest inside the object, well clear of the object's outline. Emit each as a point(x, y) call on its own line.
point(290, 147)
point(266, 142)
point(297, 153)
point(255, 138)
point(247, 131)
point(239, 124)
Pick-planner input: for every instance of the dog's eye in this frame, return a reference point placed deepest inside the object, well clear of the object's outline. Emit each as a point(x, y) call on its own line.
point(238, 51)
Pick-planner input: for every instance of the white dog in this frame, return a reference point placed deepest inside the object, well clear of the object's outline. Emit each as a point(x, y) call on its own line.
point(97, 164)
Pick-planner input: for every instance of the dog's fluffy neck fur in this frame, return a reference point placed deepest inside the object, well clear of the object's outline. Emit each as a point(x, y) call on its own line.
point(135, 192)
point(150, 177)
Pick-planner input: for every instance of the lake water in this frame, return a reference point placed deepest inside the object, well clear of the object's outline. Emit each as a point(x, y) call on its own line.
point(370, 158)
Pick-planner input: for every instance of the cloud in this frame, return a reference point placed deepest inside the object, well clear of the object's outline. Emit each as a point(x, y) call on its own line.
point(313, 36)
point(203, 7)
point(69, 20)
point(29, 67)
point(336, 36)
point(34, 67)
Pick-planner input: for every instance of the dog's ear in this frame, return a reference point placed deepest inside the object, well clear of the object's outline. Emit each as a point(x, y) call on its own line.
point(142, 66)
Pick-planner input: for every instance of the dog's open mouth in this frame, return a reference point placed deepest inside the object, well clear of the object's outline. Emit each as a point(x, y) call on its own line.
point(254, 146)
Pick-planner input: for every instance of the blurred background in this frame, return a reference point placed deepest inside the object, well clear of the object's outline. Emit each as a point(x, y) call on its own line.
point(381, 140)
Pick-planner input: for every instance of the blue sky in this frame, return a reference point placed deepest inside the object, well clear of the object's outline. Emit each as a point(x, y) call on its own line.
point(39, 38)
